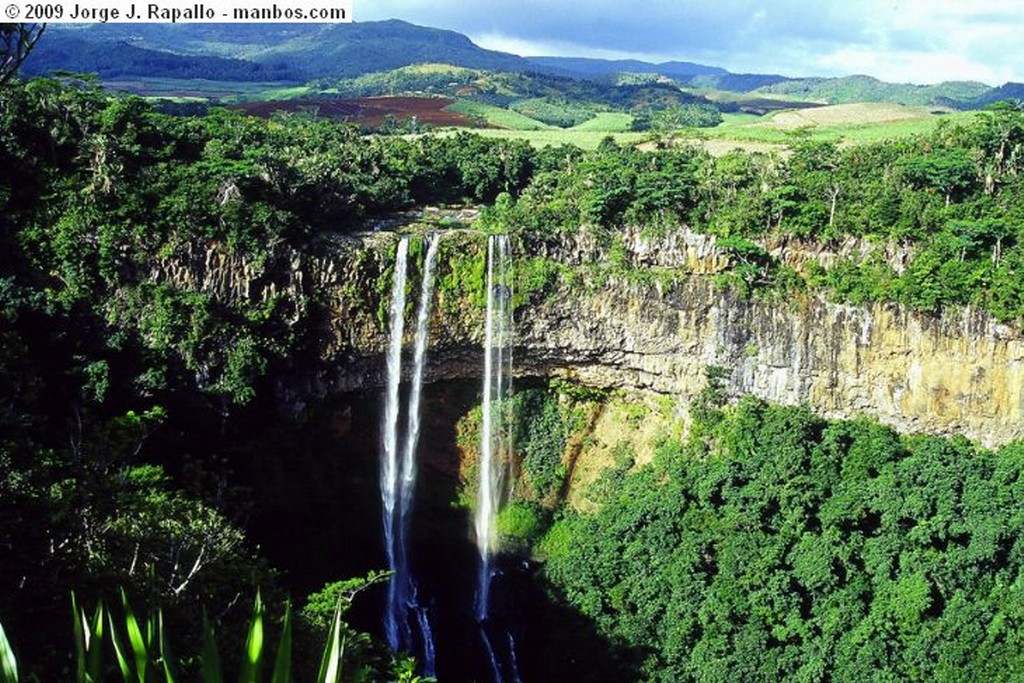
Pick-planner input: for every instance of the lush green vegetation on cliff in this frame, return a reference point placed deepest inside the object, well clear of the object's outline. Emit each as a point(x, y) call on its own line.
point(774, 545)
point(123, 392)
point(949, 204)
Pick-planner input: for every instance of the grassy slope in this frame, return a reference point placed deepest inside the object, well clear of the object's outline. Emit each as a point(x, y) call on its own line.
point(851, 124)
point(862, 122)
point(585, 139)
point(498, 116)
point(850, 89)
point(586, 135)
point(606, 122)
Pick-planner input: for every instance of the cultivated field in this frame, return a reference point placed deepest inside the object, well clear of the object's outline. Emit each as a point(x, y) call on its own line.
point(847, 123)
point(369, 111)
point(607, 122)
point(497, 117)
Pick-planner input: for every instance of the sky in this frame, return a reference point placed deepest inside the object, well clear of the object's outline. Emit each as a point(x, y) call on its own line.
point(906, 41)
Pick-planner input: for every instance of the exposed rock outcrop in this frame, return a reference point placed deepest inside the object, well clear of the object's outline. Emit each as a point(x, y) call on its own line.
point(957, 372)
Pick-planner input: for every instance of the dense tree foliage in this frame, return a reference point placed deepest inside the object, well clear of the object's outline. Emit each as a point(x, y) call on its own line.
point(949, 203)
point(676, 117)
point(779, 546)
point(97, 189)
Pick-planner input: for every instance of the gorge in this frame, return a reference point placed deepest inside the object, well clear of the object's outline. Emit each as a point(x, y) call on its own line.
point(649, 336)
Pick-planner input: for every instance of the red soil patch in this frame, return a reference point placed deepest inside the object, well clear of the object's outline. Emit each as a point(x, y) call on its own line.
point(368, 111)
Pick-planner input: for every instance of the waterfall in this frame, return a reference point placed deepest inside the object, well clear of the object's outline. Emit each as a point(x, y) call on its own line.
point(389, 452)
point(494, 432)
point(408, 596)
point(407, 623)
point(412, 431)
point(398, 479)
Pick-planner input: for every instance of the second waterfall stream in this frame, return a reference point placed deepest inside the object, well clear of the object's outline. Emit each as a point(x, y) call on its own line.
point(495, 446)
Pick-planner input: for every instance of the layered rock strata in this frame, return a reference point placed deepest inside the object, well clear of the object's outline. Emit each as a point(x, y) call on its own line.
point(958, 372)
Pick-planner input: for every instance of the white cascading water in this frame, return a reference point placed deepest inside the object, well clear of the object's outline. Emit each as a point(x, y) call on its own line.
point(389, 452)
point(494, 436)
point(398, 477)
point(495, 441)
point(407, 594)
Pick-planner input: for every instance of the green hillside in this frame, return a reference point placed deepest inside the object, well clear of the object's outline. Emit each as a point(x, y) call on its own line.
point(867, 89)
point(742, 83)
point(309, 51)
point(595, 68)
point(497, 116)
point(67, 51)
point(524, 101)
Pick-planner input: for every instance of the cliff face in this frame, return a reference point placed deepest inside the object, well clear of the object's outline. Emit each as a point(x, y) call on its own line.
point(958, 372)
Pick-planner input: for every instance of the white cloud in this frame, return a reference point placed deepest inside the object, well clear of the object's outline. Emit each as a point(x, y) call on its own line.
point(905, 40)
point(541, 48)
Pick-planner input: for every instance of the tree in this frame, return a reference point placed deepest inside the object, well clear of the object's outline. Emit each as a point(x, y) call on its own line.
point(1001, 135)
point(17, 41)
point(947, 171)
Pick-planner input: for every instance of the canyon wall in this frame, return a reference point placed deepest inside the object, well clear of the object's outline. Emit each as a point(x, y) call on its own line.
point(958, 372)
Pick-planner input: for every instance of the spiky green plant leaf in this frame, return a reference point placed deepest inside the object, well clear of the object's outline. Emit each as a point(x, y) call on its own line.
point(8, 663)
point(94, 647)
point(139, 642)
point(81, 632)
point(283, 661)
point(253, 645)
point(166, 660)
point(119, 651)
point(330, 663)
point(88, 641)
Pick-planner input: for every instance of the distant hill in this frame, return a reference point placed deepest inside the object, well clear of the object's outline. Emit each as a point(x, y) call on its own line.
point(118, 59)
point(741, 83)
point(590, 68)
point(305, 51)
point(850, 89)
point(1008, 91)
point(326, 54)
point(346, 50)
point(504, 87)
point(555, 100)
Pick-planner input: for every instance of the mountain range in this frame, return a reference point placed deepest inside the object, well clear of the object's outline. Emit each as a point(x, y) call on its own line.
point(301, 53)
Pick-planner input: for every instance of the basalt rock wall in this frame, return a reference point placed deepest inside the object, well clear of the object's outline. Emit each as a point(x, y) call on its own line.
point(958, 372)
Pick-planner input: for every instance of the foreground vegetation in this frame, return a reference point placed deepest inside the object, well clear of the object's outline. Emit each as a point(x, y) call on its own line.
point(140, 646)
